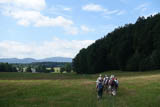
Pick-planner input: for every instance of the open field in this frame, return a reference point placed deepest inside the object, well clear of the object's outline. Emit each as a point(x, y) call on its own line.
point(140, 89)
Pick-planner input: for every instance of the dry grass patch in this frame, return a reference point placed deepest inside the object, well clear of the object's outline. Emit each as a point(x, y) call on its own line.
point(145, 77)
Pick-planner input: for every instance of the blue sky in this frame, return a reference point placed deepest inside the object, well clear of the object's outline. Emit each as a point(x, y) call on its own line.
point(48, 28)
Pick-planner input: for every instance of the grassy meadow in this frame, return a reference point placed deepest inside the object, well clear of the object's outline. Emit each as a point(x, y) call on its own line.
point(140, 89)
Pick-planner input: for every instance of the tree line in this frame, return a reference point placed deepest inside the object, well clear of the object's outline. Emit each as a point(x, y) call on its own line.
point(133, 47)
point(45, 67)
point(41, 67)
point(5, 67)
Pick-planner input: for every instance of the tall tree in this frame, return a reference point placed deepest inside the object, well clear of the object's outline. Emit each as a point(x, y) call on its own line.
point(133, 47)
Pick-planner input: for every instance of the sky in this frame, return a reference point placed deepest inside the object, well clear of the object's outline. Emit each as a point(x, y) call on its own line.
point(50, 28)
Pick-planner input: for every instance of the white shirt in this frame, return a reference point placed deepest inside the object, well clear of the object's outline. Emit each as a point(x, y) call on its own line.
point(98, 80)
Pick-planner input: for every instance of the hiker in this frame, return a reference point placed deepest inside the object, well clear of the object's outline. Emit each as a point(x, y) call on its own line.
point(116, 80)
point(105, 83)
point(99, 78)
point(109, 85)
point(105, 79)
point(99, 88)
point(113, 85)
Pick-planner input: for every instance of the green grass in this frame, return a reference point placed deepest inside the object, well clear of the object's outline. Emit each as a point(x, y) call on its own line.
point(140, 89)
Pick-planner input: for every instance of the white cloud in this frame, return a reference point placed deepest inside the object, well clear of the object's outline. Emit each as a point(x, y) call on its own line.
point(55, 47)
point(108, 12)
point(99, 8)
point(143, 7)
point(72, 30)
point(58, 21)
point(67, 9)
point(86, 29)
point(37, 19)
point(4, 1)
point(116, 12)
point(30, 4)
point(23, 22)
point(93, 7)
point(121, 12)
point(27, 12)
point(59, 9)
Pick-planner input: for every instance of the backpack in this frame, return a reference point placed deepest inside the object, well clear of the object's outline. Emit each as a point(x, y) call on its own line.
point(111, 82)
point(100, 86)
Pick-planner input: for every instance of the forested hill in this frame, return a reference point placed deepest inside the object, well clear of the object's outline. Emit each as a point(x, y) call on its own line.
point(133, 47)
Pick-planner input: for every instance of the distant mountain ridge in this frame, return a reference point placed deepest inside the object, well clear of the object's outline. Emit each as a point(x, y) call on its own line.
point(30, 60)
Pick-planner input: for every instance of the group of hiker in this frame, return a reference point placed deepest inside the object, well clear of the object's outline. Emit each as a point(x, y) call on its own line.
point(107, 84)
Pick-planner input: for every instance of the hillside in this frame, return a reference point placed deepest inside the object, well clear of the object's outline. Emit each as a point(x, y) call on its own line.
point(133, 47)
point(31, 60)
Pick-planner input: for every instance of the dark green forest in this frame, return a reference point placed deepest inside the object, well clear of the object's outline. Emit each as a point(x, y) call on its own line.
point(5, 67)
point(133, 47)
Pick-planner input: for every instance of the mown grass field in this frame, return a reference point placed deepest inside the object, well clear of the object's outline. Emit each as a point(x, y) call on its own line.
point(140, 89)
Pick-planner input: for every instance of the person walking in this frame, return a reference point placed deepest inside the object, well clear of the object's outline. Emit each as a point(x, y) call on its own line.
point(105, 83)
point(99, 88)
